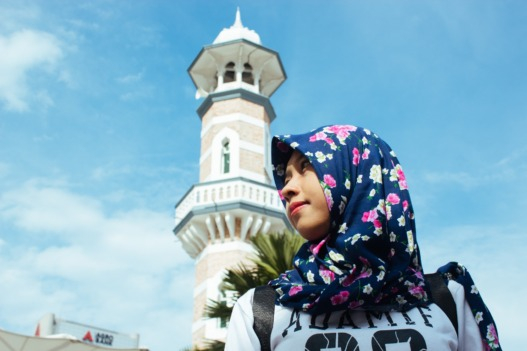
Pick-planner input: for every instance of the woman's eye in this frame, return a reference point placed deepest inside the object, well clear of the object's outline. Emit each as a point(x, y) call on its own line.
point(305, 165)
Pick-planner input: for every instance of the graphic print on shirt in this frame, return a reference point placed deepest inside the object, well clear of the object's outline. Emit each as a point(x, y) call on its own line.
point(397, 337)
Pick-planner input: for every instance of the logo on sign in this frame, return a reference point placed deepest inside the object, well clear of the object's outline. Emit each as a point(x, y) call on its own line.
point(87, 337)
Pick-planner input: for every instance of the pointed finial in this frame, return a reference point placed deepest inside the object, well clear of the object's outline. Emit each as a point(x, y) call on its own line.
point(238, 20)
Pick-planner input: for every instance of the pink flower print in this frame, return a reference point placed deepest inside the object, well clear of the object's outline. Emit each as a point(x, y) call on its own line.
point(316, 247)
point(295, 289)
point(366, 154)
point(342, 132)
point(338, 129)
point(354, 304)
point(377, 224)
point(393, 198)
point(417, 291)
point(369, 216)
point(327, 275)
point(402, 178)
point(364, 261)
point(318, 136)
point(356, 157)
point(492, 337)
point(329, 198)
point(329, 180)
point(365, 273)
point(282, 146)
point(329, 141)
point(280, 195)
point(405, 205)
point(348, 280)
point(340, 298)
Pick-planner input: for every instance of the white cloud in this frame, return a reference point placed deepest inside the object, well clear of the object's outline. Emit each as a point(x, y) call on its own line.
point(24, 51)
point(131, 78)
point(115, 270)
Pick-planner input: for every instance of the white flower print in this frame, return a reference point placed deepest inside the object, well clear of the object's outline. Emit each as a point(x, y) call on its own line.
point(372, 193)
point(402, 221)
point(311, 258)
point(280, 291)
point(393, 175)
point(375, 174)
point(378, 231)
point(329, 156)
point(335, 269)
point(347, 184)
point(355, 238)
point(320, 156)
point(384, 171)
point(479, 317)
point(342, 205)
point(359, 178)
point(365, 238)
point(380, 276)
point(474, 290)
point(336, 257)
point(310, 277)
point(400, 299)
point(393, 237)
point(309, 153)
point(367, 289)
point(365, 141)
point(411, 245)
point(367, 131)
point(294, 144)
point(388, 212)
point(343, 227)
point(393, 153)
point(329, 197)
point(333, 146)
point(381, 206)
point(280, 170)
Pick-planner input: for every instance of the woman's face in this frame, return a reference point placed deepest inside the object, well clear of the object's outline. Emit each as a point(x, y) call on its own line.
point(306, 205)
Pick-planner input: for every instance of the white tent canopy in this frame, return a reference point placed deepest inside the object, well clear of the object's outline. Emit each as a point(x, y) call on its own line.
point(17, 342)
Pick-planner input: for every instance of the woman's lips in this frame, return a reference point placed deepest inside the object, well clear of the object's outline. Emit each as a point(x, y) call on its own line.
point(295, 207)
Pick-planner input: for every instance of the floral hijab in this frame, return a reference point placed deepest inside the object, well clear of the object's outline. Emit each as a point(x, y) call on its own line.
point(370, 258)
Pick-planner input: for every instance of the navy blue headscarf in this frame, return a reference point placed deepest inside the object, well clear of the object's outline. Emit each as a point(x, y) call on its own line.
point(369, 258)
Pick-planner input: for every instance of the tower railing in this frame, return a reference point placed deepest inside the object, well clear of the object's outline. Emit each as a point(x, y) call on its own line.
point(228, 191)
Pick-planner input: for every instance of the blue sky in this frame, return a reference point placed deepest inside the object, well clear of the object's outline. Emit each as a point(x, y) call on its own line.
point(99, 139)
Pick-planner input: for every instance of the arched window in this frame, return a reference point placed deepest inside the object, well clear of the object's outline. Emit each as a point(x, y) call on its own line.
point(247, 75)
point(230, 73)
point(225, 157)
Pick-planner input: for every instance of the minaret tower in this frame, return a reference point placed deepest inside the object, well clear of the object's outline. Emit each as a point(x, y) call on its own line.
point(235, 198)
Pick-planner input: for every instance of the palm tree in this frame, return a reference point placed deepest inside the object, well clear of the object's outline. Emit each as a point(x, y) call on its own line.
point(273, 255)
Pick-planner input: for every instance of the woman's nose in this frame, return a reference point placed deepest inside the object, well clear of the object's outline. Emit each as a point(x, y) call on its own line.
point(290, 189)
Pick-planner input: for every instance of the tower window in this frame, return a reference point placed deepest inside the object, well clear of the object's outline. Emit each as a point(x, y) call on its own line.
point(225, 157)
point(230, 73)
point(247, 75)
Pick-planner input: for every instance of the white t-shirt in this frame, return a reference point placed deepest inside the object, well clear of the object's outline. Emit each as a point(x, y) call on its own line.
point(419, 329)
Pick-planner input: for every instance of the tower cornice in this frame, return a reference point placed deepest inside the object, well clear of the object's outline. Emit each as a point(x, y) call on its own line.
point(233, 94)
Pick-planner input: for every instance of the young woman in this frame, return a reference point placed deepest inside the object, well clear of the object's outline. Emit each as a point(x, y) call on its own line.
point(357, 282)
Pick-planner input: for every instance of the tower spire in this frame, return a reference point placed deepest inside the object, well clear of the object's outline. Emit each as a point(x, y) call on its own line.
point(238, 21)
